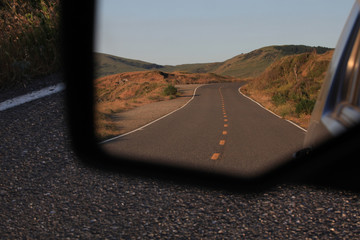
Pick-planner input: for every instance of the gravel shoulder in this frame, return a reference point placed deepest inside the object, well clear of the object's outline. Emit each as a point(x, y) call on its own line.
point(140, 116)
point(46, 193)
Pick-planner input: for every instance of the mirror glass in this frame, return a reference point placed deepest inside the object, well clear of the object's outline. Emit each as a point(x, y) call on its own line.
point(224, 86)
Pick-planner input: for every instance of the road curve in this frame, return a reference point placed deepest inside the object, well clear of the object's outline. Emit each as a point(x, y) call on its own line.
point(219, 130)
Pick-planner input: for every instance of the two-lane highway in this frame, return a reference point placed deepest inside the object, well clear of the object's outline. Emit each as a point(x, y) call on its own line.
point(219, 130)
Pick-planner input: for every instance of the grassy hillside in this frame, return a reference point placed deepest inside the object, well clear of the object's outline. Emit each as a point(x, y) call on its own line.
point(290, 85)
point(28, 40)
point(254, 63)
point(124, 91)
point(106, 64)
point(242, 66)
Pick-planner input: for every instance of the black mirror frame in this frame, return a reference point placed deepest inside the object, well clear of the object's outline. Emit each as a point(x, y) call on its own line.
point(332, 164)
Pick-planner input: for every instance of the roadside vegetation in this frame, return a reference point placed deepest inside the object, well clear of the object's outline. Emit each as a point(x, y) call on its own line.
point(290, 86)
point(28, 40)
point(170, 90)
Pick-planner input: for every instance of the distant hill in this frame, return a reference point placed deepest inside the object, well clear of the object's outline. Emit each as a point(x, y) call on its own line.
point(246, 65)
point(194, 68)
point(106, 64)
point(252, 64)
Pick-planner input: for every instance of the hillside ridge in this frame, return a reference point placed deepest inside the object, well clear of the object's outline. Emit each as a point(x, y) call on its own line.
point(244, 65)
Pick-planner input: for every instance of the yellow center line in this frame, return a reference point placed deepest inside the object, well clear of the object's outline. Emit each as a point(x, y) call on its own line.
point(215, 156)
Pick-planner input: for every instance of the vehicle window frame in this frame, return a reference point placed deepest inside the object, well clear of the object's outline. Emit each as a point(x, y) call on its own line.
point(341, 91)
point(347, 111)
point(339, 88)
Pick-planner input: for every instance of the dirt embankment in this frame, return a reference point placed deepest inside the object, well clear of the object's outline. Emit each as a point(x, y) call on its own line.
point(290, 86)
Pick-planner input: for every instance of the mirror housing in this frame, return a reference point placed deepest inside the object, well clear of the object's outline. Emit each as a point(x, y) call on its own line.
point(330, 164)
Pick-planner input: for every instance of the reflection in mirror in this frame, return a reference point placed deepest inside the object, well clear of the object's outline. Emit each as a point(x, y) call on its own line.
point(222, 86)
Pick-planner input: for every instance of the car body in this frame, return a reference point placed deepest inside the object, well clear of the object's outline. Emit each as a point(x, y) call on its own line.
point(337, 107)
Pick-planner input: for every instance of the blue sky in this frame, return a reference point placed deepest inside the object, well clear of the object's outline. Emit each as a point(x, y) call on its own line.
point(172, 32)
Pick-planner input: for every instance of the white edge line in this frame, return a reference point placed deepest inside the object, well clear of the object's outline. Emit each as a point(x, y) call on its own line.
point(271, 111)
point(10, 103)
point(140, 128)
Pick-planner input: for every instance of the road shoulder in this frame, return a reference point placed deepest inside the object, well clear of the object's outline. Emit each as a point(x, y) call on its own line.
point(135, 118)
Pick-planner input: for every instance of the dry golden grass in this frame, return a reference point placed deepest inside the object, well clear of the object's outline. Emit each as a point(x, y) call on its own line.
point(290, 86)
point(285, 110)
point(28, 40)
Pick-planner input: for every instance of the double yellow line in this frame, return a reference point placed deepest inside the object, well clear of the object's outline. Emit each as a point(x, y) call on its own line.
point(222, 142)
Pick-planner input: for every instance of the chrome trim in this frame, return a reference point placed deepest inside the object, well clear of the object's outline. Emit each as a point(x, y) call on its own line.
point(334, 127)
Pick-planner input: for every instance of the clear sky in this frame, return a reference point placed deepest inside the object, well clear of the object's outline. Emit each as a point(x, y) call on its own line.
point(171, 32)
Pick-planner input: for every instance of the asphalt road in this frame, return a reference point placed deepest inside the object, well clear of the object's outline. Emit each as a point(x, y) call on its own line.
point(219, 130)
point(45, 193)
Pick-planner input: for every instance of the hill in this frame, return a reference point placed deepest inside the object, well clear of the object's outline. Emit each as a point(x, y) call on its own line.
point(254, 63)
point(290, 85)
point(193, 68)
point(241, 66)
point(106, 64)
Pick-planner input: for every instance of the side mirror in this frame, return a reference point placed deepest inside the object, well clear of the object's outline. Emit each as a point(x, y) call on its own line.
point(332, 163)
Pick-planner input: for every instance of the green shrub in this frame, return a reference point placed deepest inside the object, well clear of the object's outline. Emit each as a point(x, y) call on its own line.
point(305, 106)
point(279, 98)
point(318, 69)
point(170, 90)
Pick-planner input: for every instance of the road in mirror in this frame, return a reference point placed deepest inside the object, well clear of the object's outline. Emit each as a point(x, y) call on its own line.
point(223, 86)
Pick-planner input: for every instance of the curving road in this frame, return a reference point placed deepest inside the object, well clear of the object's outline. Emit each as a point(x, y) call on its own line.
point(219, 130)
